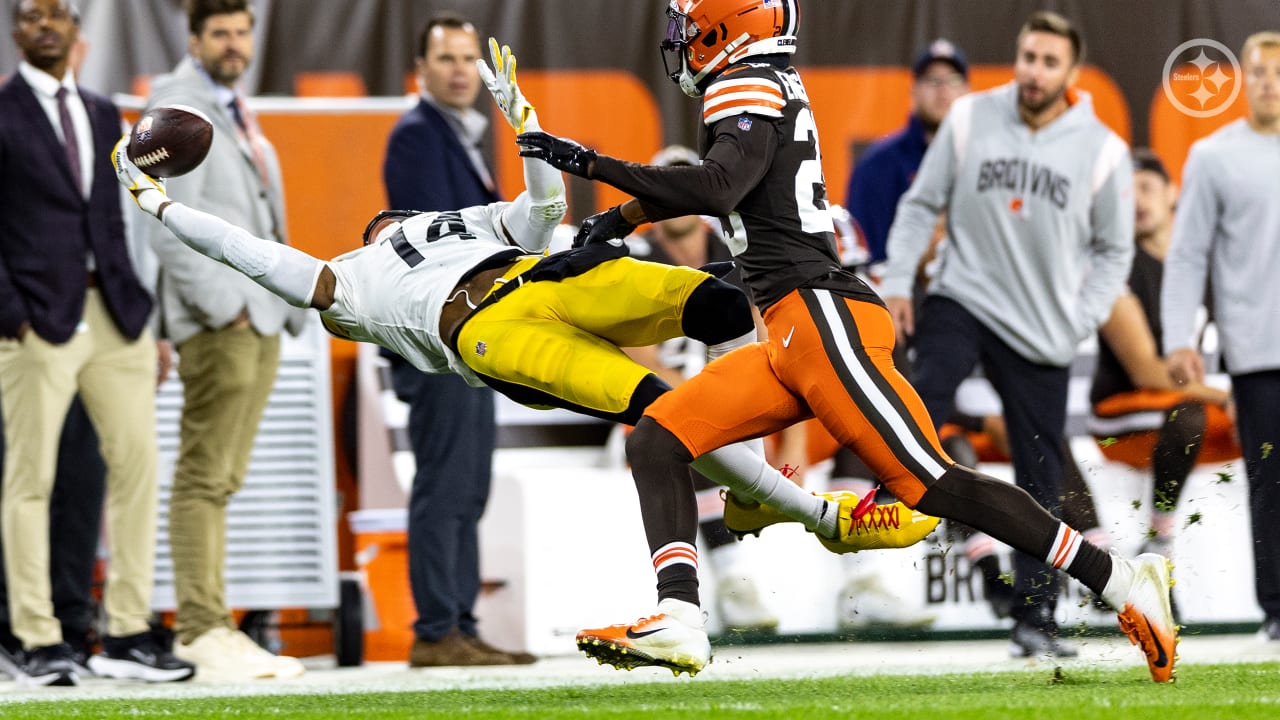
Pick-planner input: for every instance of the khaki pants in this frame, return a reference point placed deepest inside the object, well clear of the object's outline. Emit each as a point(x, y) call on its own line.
point(227, 376)
point(116, 379)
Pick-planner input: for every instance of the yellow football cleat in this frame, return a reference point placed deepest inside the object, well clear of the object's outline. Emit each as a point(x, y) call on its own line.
point(863, 525)
point(747, 517)
point(868, 526)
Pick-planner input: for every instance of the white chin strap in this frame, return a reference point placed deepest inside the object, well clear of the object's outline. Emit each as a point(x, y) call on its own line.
point(689, 83)
point(732, 53)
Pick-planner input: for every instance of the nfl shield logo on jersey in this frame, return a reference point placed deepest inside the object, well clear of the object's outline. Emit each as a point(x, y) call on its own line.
point(744, 123)
point(481, 348)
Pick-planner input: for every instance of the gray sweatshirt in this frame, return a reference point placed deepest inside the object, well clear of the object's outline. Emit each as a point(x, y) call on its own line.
point(1228, 224)
point(1039, 224)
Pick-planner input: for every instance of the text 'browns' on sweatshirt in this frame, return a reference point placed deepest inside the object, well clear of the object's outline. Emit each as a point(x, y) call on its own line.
point(1039, 223)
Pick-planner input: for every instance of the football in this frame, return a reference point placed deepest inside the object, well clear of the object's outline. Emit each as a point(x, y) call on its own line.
point(170, 140)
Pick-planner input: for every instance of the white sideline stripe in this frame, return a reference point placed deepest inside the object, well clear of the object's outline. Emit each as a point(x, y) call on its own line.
point(882, 404)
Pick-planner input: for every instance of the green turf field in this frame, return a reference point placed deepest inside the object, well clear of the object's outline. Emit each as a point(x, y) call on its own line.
point(1239, 692)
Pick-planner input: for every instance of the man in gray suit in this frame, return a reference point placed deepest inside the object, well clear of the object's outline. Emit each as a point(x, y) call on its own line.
point(226, 331)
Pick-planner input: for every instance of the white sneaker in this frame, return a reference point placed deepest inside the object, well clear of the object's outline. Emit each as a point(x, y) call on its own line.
point(674, 638)
point(1146, 616)
point(864, 601)
point(282, 666)
point(227, 655)
point(740, 608)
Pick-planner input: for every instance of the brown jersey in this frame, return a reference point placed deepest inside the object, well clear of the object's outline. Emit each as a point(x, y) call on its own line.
point(762, 175)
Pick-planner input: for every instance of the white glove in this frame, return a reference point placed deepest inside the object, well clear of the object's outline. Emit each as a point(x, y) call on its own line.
point(501, 82)
point(147, 191)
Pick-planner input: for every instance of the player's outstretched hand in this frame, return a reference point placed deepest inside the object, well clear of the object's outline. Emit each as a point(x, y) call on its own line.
point(560, 153)
point(501, 81)
point(603, 227)
point(147, 191)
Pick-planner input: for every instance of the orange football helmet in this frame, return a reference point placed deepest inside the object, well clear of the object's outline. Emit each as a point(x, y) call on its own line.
point(706, 36)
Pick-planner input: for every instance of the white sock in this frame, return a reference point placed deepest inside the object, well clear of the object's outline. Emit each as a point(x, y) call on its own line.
point(1117, 588)
point(685, 612)
point(747, 475)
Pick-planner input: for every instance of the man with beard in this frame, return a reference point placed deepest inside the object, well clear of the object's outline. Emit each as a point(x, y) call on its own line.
point(1040, 225)
point(226, 331)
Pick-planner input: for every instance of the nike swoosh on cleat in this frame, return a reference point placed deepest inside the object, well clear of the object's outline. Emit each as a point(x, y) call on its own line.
point(1162, 659)
point(637, 635)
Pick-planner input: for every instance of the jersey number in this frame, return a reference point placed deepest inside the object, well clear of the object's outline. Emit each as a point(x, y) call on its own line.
point(811, 199)
point(446, 224)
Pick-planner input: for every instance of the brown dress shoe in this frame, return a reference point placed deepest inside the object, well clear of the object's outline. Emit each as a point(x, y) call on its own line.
point(516, 658)
point(452, 650)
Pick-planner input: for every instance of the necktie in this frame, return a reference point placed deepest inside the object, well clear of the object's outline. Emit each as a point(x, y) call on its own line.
point(69, 141)
point(251, 135)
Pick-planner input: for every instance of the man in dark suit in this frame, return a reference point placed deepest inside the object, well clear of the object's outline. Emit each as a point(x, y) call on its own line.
point(434, 163)
point(76, 511)
point(73, 316)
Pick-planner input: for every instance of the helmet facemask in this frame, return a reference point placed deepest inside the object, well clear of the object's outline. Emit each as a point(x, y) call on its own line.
point(681, 30)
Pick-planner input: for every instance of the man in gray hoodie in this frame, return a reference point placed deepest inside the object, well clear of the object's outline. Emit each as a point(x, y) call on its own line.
point(1038, 195)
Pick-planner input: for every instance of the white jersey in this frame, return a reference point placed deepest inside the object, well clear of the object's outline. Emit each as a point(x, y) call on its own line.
point(391, 292)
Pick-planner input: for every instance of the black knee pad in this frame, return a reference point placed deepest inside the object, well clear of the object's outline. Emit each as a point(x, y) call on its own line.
point(717, 312)
point(651, 444)
point(649, 389)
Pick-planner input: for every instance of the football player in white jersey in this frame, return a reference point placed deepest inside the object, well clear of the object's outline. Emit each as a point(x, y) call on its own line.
point(471, 292)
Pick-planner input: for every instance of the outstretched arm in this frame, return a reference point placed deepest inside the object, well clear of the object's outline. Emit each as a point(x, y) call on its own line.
point(533, 216)
point(298, 278)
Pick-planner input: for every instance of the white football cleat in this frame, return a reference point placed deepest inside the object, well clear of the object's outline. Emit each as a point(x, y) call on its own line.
point(674, 638)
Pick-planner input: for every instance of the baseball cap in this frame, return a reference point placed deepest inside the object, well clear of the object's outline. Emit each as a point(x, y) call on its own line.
point(1145, 159)
point(675, 155)
point(940, 50)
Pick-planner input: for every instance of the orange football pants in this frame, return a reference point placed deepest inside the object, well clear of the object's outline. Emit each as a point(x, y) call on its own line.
point(828, 357)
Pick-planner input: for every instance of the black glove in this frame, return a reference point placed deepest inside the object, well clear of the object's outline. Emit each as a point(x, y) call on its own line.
point(603, 227)
point(559, 153)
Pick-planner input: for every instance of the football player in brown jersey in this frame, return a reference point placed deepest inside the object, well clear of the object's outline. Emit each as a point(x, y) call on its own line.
point(830, 339)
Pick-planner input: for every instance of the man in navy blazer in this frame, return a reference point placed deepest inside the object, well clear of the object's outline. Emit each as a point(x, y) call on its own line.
point(433, 162)
point(73, 318)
